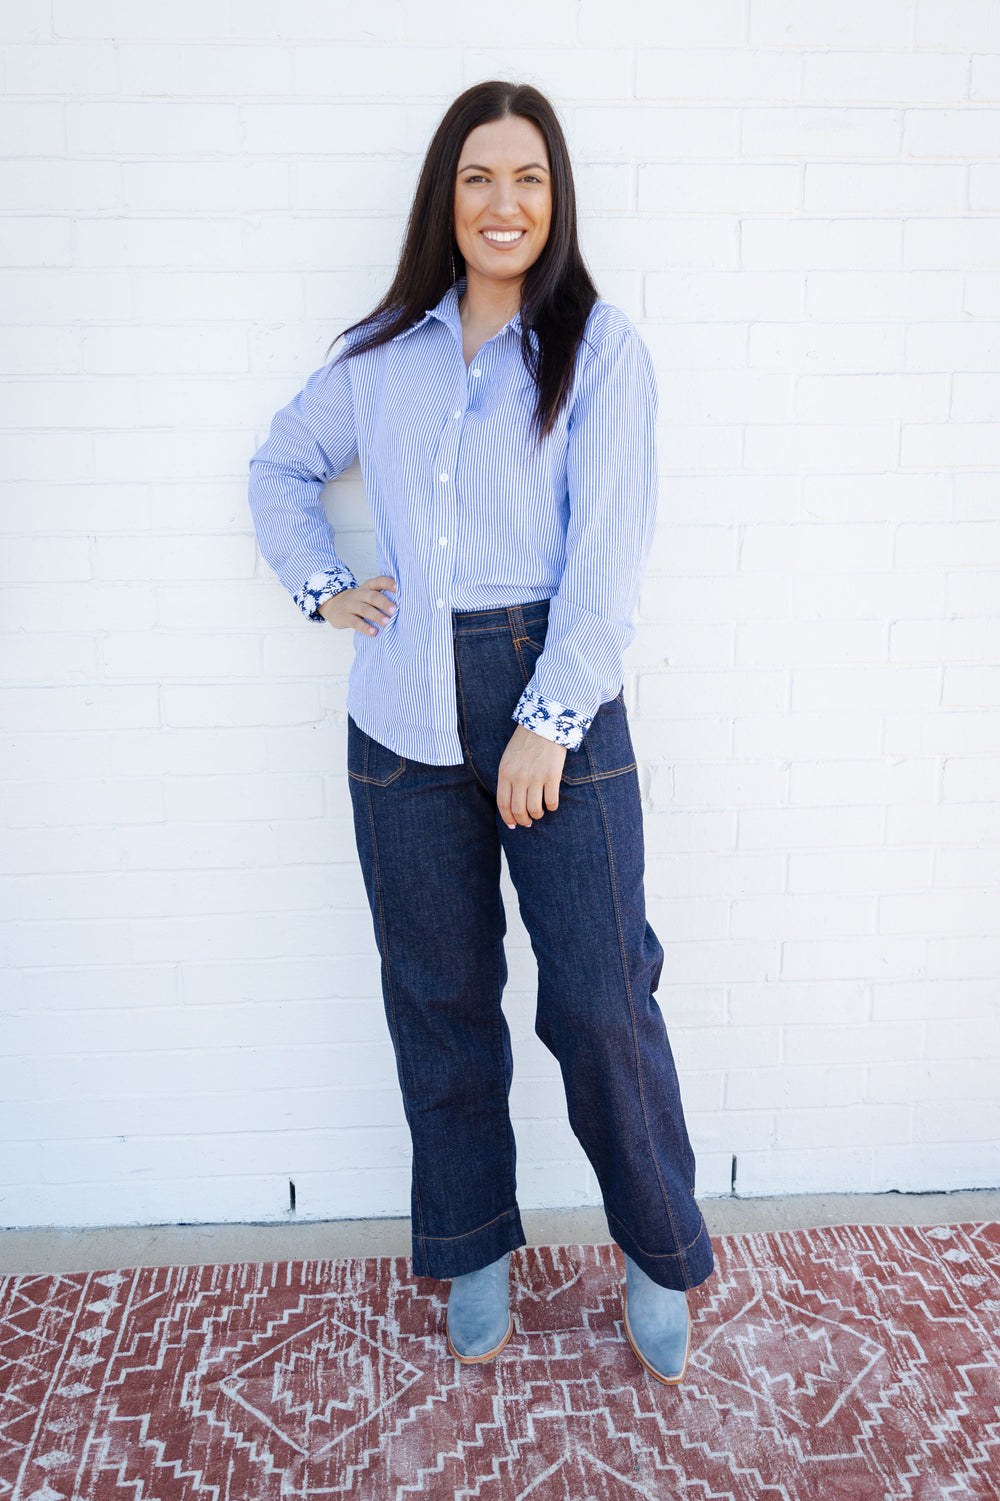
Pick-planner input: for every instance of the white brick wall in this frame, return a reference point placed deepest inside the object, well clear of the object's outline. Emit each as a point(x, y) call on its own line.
point(798, 204)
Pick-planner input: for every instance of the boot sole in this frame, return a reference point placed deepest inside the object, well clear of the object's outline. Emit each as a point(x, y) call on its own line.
point(478, 1359)
point(667, 1380)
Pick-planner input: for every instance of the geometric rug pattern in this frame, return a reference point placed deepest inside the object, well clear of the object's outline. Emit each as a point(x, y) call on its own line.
point(852, 1364)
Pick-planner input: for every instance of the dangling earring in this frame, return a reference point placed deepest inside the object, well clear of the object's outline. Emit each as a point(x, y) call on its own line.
point(454, 268)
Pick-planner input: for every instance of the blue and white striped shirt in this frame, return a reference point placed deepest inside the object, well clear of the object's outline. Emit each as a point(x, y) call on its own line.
point(470, 515)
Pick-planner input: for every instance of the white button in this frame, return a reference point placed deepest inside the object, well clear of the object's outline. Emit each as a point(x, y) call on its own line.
point(457, 414)
point(443, 478)
point(440, 604)
point(443, 541)
point(475, 372)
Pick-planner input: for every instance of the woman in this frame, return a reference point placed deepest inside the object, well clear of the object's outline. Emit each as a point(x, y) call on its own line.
point(504, 419)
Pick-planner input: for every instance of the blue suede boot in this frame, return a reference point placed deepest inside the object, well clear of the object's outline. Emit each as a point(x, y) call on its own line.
point(657, 1324)
point(479, 1321)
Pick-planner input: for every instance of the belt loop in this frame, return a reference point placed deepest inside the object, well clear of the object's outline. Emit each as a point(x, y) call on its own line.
point(516, 619)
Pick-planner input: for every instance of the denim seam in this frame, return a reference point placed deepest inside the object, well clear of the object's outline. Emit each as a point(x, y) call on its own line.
point(599, 776)
point(518, 643)
point(362, 775)
point(490, 630)
point(377, 781)
point(506, 1215)
point(635, 1034)
point(511, 1172)
point(662, 1255)
point(468, 751)
point(483, 630)
point(388, 976)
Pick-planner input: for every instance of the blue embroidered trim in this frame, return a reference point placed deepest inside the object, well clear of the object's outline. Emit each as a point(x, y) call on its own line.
point(551, 720)
point(322, 586)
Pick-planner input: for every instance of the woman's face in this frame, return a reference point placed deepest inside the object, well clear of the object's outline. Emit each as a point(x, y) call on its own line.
point(503, 199)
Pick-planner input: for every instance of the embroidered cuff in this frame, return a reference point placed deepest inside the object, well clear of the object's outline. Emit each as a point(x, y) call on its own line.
point(322, 586)
point(551, 720)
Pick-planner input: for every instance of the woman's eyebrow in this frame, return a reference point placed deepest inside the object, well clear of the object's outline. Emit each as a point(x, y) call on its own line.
point(480, 168)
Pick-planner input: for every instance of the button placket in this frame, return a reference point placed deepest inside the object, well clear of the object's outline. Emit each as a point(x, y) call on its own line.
point(441, 565)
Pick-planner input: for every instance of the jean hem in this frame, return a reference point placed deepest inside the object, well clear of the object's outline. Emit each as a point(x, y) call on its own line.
point(680, 1270)
point(454, 1256)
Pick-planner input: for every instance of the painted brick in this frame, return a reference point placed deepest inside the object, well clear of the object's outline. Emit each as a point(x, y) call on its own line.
point(317, 20)
point(646, 22)
point(36, 242)
point(187, 19)
point(205, 186)
point(953, 1165)
point(564, 73)
point(800, 736)
point(233, 69)
point(797, 206)
point(62, 295)
point(676, 72)
point(153, 128)
point(157, 242)
point(877, 1042)
point(39, 351)
point(130, 349)
point(796, 1089)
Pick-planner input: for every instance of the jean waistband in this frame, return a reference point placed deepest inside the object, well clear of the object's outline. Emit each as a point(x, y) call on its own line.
point(505, 617)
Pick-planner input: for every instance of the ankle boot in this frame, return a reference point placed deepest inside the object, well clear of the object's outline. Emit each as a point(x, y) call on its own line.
point(657, 1324)
point(479, 1321)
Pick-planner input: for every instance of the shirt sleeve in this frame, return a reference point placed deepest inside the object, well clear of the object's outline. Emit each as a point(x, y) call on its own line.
point(312, 440)
point(612, 485)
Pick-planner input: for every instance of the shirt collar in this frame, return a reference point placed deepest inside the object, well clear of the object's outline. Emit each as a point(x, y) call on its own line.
point(447, 312)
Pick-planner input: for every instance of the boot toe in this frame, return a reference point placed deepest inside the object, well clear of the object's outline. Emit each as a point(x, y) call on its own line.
point(657, 1325)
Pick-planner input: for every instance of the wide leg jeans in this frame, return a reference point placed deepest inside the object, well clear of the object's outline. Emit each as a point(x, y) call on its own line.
point(429, 840)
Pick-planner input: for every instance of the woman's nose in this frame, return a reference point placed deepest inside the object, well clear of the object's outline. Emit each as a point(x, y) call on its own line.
point(504, 199)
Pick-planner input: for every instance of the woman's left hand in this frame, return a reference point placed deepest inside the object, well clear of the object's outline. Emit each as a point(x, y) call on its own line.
point(530, 770)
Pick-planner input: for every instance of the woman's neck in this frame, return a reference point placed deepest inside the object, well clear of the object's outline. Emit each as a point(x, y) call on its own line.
point(488, 304)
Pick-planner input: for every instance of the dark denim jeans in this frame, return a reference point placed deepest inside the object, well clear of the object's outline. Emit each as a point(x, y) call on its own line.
point(429, 840)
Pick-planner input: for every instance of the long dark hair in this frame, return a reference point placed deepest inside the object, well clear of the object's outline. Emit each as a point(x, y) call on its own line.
point(557, 293)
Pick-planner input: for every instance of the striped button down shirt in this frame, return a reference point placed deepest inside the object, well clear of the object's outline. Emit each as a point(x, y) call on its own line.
point(469, 515)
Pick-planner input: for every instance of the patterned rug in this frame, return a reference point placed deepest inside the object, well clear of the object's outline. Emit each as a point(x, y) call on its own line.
point(840, 1363)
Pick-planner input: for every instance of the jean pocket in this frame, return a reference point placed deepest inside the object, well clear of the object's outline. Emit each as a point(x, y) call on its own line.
point(370, 761)
point(606, 749)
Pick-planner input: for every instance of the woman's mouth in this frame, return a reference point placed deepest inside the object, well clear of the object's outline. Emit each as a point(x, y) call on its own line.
point(503, 239)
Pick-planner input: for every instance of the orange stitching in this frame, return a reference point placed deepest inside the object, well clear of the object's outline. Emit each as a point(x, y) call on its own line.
point(635, 1035)
point(388, 980)
point(507, 1214)
point(661, 1255)
point(468, 750)
point(599, 776)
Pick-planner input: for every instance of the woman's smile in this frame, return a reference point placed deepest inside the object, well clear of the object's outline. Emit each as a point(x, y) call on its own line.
point(502, 238)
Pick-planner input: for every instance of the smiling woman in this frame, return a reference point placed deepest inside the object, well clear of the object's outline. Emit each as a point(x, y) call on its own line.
point(504, 417)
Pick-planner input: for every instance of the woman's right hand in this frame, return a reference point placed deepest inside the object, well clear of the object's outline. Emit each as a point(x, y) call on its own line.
point(355, 609)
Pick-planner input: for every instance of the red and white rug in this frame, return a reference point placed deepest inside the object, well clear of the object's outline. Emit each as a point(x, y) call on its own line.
point(859, 1363)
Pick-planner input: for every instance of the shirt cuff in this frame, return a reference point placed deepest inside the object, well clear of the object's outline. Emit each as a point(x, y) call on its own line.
point(322, 586)
point(551, 720)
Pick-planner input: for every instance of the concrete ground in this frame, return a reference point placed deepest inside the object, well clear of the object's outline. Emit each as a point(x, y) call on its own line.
point(71, 1250)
